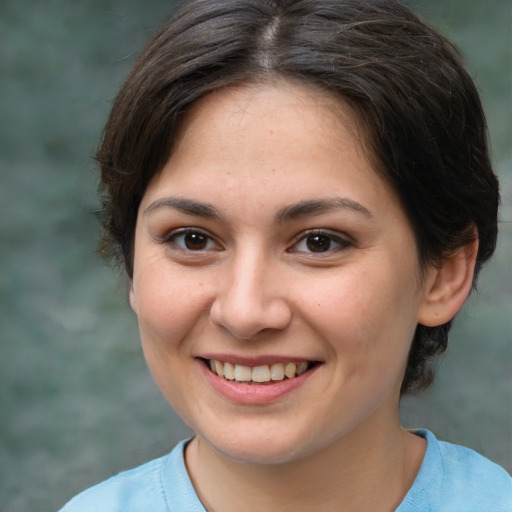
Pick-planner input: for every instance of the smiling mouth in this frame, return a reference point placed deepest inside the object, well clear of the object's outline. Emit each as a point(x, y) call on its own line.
point(264, 374)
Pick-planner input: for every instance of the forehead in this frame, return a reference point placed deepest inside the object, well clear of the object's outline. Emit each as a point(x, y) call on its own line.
point(279, 101)
point(255, 140)
point(265, 114)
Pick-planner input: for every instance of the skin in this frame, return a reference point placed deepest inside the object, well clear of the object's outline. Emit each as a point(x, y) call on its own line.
point(255, 289)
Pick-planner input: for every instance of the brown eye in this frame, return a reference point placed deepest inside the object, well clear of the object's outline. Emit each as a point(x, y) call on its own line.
point(318, 243)
point(195, 241)
point(191, 240)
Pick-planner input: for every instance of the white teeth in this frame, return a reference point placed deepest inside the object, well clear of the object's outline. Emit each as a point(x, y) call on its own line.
point(243, 373)
point(277, 371)
point(290, 369)
point(219, 368)
point(229, 371)
point(301, 368)
point(263, 373)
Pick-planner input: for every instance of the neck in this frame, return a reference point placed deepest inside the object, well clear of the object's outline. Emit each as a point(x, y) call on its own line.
point(365, 470)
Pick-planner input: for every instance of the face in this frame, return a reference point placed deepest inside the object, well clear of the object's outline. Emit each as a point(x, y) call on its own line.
point(269, 250)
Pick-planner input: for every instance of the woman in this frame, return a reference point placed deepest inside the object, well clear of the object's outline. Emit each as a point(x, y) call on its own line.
point(301, 195)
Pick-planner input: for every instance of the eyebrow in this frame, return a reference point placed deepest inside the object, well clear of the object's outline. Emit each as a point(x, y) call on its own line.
point(290, 212)
point(319, 206)
point(186, 206)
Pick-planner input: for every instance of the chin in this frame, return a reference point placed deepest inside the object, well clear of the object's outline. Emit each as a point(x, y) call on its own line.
point(257, 452)
point(273, 447)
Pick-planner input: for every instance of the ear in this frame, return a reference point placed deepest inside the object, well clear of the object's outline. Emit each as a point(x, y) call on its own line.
point(448, 285)
point(133, 300)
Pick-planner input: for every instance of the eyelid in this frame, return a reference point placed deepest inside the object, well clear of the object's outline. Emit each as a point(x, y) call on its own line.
point(343, 241)
point(170, 237)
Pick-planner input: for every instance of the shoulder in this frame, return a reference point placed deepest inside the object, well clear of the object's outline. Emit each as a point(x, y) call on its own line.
point(136, 490)
point(454, 478)
point(467, 473)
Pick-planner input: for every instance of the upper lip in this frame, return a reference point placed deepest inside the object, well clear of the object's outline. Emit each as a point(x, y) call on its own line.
point(256, 360)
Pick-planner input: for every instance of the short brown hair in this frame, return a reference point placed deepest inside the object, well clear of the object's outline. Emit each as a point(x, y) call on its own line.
point(418, 108)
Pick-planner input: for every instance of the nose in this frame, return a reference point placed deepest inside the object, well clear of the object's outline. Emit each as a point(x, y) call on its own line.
point(250, 300)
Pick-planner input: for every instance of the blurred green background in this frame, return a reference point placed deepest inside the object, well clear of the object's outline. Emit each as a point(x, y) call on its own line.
point(77, 403)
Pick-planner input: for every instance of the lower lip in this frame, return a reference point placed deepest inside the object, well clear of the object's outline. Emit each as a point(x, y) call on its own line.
point(244, 393)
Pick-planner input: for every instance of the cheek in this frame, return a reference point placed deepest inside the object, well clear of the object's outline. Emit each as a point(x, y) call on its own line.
point(369, 314)
point(170, 307)
point(168, 304)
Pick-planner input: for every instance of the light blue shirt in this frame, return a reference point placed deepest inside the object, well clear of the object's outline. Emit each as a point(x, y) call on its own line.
point(451, 479)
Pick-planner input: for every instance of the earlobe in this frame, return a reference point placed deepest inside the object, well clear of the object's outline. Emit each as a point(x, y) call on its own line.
point(133, 301)
point(448, 286)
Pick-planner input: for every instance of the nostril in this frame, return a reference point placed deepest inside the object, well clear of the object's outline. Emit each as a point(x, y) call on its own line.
point(245, 320)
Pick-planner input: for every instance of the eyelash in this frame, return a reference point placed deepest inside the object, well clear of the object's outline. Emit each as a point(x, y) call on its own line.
point(342, 243)
point(322, 236)
point(172, 238)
